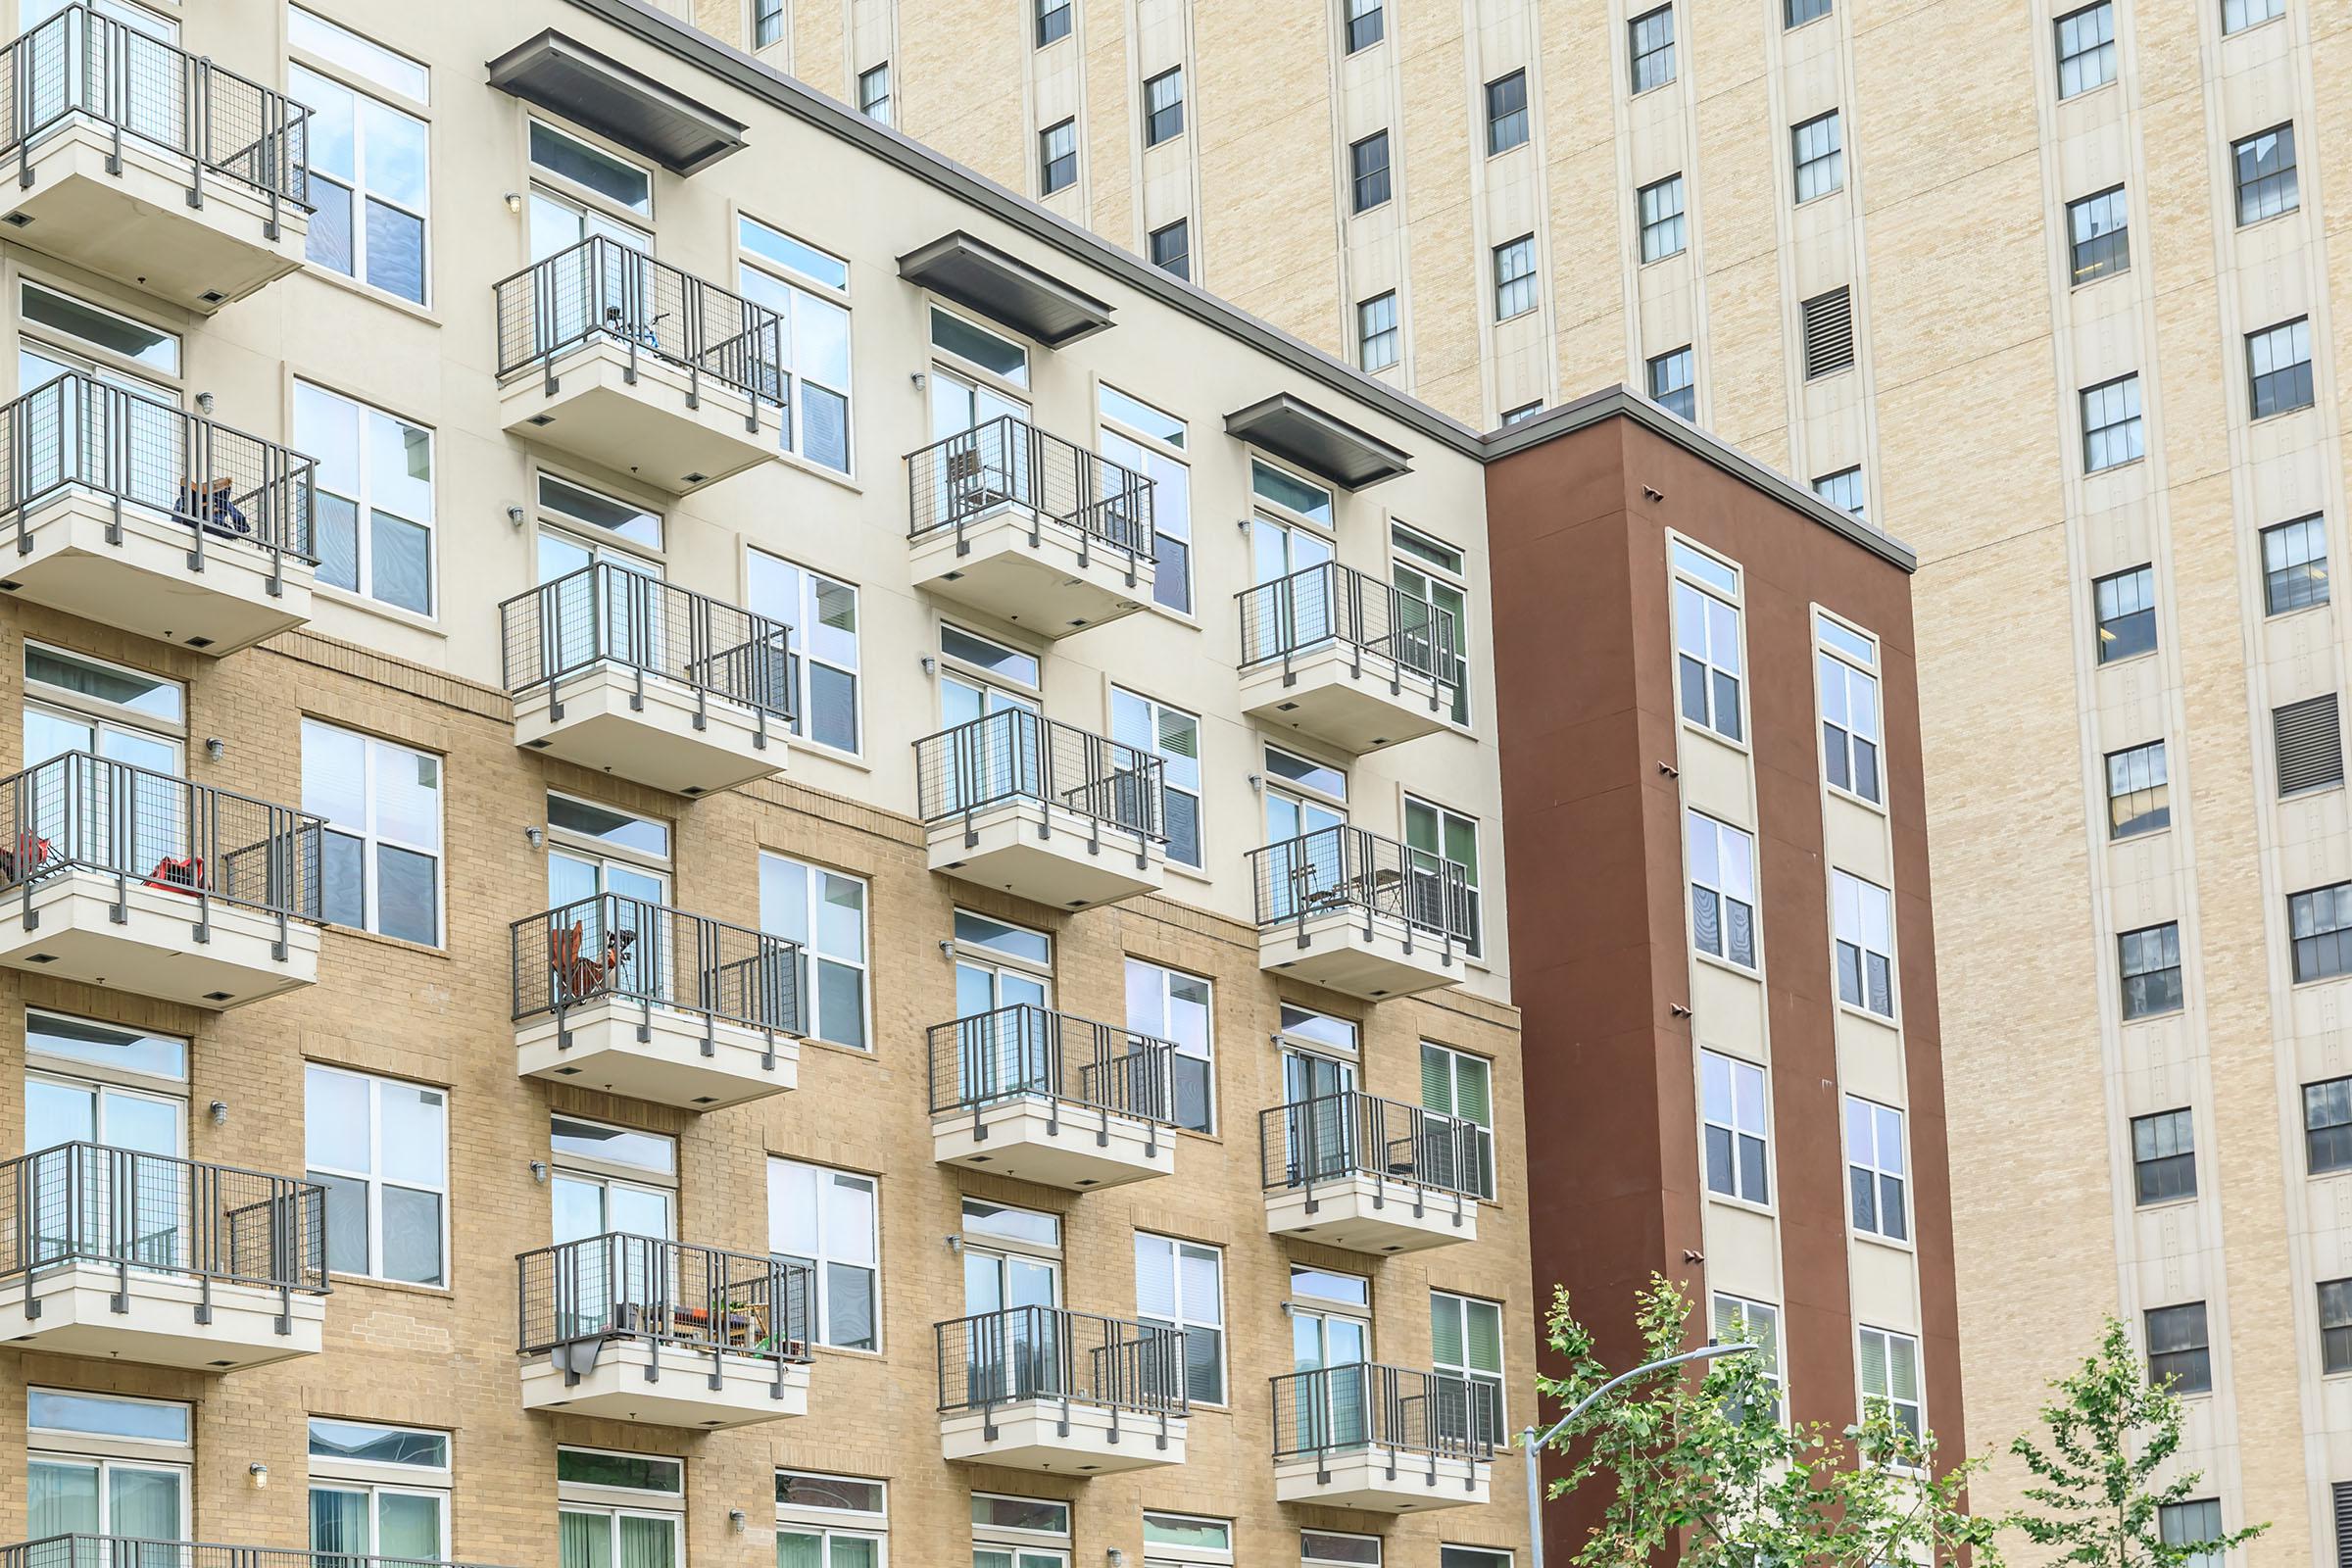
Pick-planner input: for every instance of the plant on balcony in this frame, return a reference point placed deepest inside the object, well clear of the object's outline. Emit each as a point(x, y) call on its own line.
point(1704, 1470)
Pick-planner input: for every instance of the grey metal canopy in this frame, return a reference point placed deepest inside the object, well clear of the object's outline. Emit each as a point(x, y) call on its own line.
point(571, 79)
point(1008, 291)
point(1318, 442)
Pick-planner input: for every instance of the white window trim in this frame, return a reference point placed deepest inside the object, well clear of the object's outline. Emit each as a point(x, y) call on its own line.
point(1501, 1376)
point(564, 184)
point(1153, 708)
point(1019, 391)
point(373, 1489)
point(374, 1181)
point(811, 912)
point(1919, 1362)
point(978, 674)
point(361, 193)
point(1280, 512)
point(1824, 619)
point(838, 295)
point(162, 1086)
point(369, 838)
point(1162, 1031)
point(1734, 599)
point(362, 594)
point(1156, 1553)
point(800, 619)
point(589, 1495)
point(1839, 936)
point(1183, 1320)
point(1772, 1183)
point(1755, 900)
point(821, 1292)
point(1854, 1161)
point(1778, 1372)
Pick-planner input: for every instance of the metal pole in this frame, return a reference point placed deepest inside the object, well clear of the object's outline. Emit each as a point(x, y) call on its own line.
point(1534, 1445)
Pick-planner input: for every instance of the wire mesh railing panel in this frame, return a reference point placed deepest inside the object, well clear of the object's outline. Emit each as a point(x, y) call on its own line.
point(1050, 1352)
point(1010, 461)
point(602, 288)
point(672, 1294)
point(134, 1552)
point(1016, 753)
point(605, 614)
point(1332, 1137)
point(651, 953)
point(1364, 1405)
point(1329, 604)
point(1028, 1051)
point(1345, 869)
point(88, 1202)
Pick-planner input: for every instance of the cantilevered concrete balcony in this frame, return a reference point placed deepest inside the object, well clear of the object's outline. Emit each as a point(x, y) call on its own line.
point(638, 999)
point(623, 673)
point(630, 363)
point(115, 1551)
point(128, 1257)
point(1043, 1387)
point(149, 165)
point(148, 884)
point(1372, 1175)
point(1384, 1439)
point(1049, 1098)
point(1023, 525)
point(639, 1328)
point(1347, 659)
point(1356, 912)
point(1043, 810)
point(131, 512)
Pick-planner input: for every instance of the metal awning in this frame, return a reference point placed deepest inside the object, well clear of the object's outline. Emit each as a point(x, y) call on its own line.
point(1006, 290)
point(568, 77)
point(1288, 427)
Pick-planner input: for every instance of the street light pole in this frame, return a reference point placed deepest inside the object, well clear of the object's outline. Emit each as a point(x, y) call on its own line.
point(1535, 1445)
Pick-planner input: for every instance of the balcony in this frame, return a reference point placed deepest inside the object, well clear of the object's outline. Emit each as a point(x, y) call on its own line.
point(1384, 1439)
point(1372, 1175)
point(128, 1257)
point(1042, 810)
point(1047, 1098)
point(149, 165)
point(151, 885)
point(1352, 911)
point(642, 1000)
point(618, 672)
point(1346, 659)
point(632, 365)
point(1042, 1388)
point(133, 513)
point(1032, 529)
point(634, 1328)
point(128, 1552)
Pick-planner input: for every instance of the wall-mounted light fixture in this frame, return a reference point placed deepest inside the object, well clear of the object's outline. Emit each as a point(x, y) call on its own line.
point(917, 377)
point(220, 1112)
point(204, 403)
point(930, 665)
point(536, 835)
point(736, 1520)
point(955, 1244)
point(539, 1171)
point(513, 201)
point(514, 514)
point(259, 1473)
point(1258, 781)
point(215, 747)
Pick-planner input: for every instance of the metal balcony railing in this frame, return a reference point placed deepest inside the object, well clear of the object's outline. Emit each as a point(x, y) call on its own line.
point(1347, 869)
point(228, 488)
point(603, 288)
point(134, 1552)
point(81, 812)
point(1005, 459)
point(1015, 755)
point(1327, 1139)
point(701, 1302)
point(136, 1212)
point(1025, 1051)
point(1363, 1404)
point(82, 65)
point(605, 614)
point(1331, 603)
point(1063, 1358)
point(657, 956)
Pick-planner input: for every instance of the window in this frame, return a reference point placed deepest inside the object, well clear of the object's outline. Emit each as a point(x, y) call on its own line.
point(369, 164)
point(1020, 1531)
point(104, 1464)
point(1829, 330)
point(2151, 968)
point(597, 520)
point(2085, 49)
point(1723, 890)
point(1181, 1285)
point(1174, 1007)
point(1890, 1380)
point(380, 1147)
point(1376, 335)
point(622, 1508)
point(873, 93)
point(1661, 208)
point(1875, 1168)
point(827, 1521)
point(1796, 13)
point(1515, 277)
point(2239, 15)
point(825, 913)
point(2184, 1524)
point(2111, 433)
point(2294, 564)
point(73, 704)
point(88, 331)
point(767, 23)
point(825, 1219)
point(566, 157)
point(1454, 1083)
point(382, 856)
point(2179, 1352)
point(1819, 145)
point(1325, 1549)
point(1174, 737)
point(1731, 1101)
point(2099, 235)
point(2164, 1156)
point(1164, 107)
point(2279, 369)
point(1862, 916)
point(1669, 384)
point(610, 1179)
point(808, 291)
point(2265, 175)
point(1172, 249)
point(1652, 37)
point(1706, 640)
point(1465, 1337)
point(2126, 603)
point(1506, 113)
point(1430, 572)
point(2310, 745)
point(373, 497)
point(1369, 160)
point(1057, 157)
point(358, 1509)
point(2138, 796)
point(1053, 22)
point(822, 612)
point(2327, 1125)
point(2320, 923)
point(1737, 1321)
point(1367, 24)
point(1473, 1557)
point(1522, 414)
point(90, 1082)
point(1849, 710)
point(1176, 1540)
point(1450, 836)
point(2335, 1330)
point(1844, 491)
point(1153, 443)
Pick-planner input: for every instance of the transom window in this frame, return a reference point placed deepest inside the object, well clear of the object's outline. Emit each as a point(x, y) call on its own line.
point(1287, 492)
point(106, 1465)
point(1732, 1111)
point(1020, 1531)
point(92, 335)
point(379, 1491)
point(1177, 1540)
point(1328, 1548)
point(624, 1508)
point(573, 159)
point(73, 703)
point(610, 1179)
point(826, 1521)
point(1722, 867)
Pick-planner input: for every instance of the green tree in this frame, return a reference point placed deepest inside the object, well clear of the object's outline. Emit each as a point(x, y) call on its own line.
point(1703, 1466)
point(2110, 1434)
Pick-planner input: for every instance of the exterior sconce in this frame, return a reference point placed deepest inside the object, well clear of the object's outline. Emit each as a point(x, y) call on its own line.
point(539, 1171)
point(513, 201)
point(536, 835)
point(259, 1473)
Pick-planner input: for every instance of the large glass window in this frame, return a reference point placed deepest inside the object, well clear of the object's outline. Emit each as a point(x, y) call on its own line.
point(106, 1465)
point(374, 498)
point(2294, 564)
point(810, 293)
point(823, 614)
point(2151, 970)
point(1721, 868)
point(1877, 1172)
point(1430, 572)
point(381, 856)
point(1732, 1114)
point(828, 1219)
point(369, 159)
point(1175, 1006)
point(357, 1510)
point(1862, 921)
point(1671, 384)
point(1146, 441)
point(1466, 1339)
point(825, 1520)
point(1890, 1381)
point(825, 913)
point(1181, 1285)
point(2085, 48)
point(1844, 665)
point(1450, 836)
point(1709, 664)
point(1454, 1083)
point(380, 1147)
point(1174, 737)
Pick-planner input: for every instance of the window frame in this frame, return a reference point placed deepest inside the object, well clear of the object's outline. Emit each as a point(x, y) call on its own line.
point(1498, 1379)
point(378, 1479)
point(2138, 774)
point(2289, 533)
point(1058, 171)
point(1161, 1028)
point(1370, 188)
point(1377, 321)
point(1891, 1338)
point(1154, 713)
point(2113, 259)
point(1649, 222)
point(1488, 1174)
point(1155, 135)
point(1155, 453)
point(2165, 934)
point(2314, 903)
point(1746, 1309)
point(1503, 135)
point(2326, 1096)
point(822, 1260)
point(1639, 59)
point(1806, 168)
point(392, 100)
point(1694, 818)
point(1516, 293)
point(2068, 58)
point(2151, 1160)
point(799, 618)
point(1735, 1074)
point(102, 1452)
point(1363, 23)
point(813, 916)
point(364, 506)
point(1680, 401)
point(2197, 1353)
point(2288, 177)
point(2107, 611)
point(795, 281)
point(868, 102)
point(1185, 1322)
point(1850, 892)
point(2285, 379)
point(2096, 437)
point(1050, 21)
point(372, 839)
point(1870, 1165)
point(373, 1180)
point(1174, 258)
point(1837, 648)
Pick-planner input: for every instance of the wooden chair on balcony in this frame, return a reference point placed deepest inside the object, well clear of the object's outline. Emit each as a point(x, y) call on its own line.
point(578, 977)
